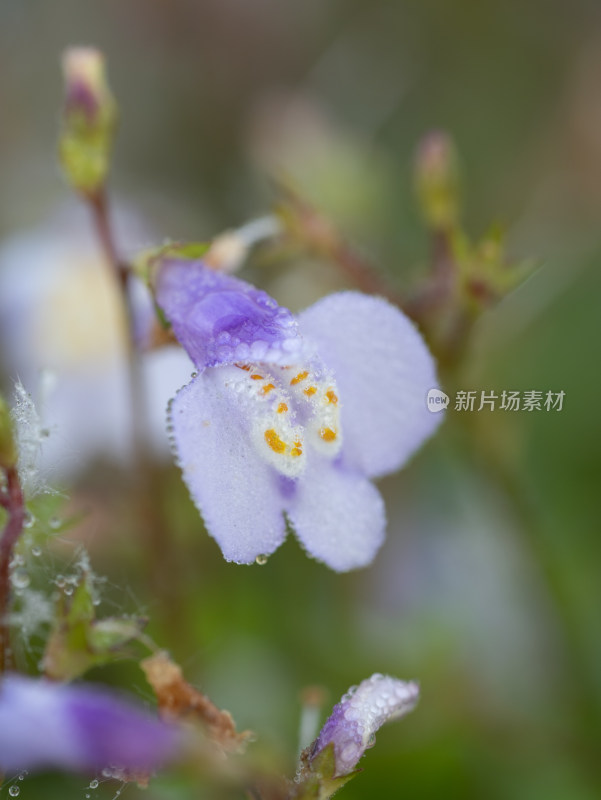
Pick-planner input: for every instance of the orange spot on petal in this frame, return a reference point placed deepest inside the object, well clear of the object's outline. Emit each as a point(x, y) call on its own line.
point(256, 377)
point(327, 434)
point(310, 390)
point(274, 441)
point(282, 407)
point(332, 397)
point(267, 388)
point(298, 378)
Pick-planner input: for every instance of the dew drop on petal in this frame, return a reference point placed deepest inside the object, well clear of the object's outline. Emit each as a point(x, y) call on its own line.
point(261, 559)
point(14, 791)
point(371, 741)
point(94, 784)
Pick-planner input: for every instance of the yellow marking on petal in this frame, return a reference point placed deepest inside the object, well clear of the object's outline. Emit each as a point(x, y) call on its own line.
point(298, 378)
point(245, 367)
point(274, 441)
point(267, 388)
point(297, 450)
point(327, 434)
point(256, 377)
point(332, 397)
point(310, 391)
point(282, 407)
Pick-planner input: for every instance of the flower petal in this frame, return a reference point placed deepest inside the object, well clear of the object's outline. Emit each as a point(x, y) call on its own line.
point(220, 319)
point(383, 370)
point(236, 491)
point(338, 516)
point(44, 724)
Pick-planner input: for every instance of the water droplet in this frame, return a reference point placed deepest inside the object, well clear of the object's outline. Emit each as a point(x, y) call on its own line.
point(60, 581)
point(88, 796)
point(261, 559)
point(94, 784)
point(371, 741)
point(14, 791)
point(36, 551)
point(20, 579)
point(22, 775)
point(68, 590)
point(54, 523)
point(29, 520)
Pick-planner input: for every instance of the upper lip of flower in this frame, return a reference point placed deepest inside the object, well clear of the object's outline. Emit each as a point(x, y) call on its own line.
point(228, 435)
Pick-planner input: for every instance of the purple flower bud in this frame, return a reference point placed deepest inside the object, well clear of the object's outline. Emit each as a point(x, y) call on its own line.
point(437, 180)
point(88, 120)
point(50, 725)
point(360, 713)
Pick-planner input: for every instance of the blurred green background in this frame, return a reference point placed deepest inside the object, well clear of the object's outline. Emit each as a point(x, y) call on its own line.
point(488, 589)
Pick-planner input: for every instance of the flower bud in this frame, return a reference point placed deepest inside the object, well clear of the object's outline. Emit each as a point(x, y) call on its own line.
point(352, 726)
point(437, 180)
point(88, 120)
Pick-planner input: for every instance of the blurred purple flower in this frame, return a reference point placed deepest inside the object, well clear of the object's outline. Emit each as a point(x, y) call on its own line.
point(361, 712)
point(63, 335)
point(293, 416)
point(51, 725)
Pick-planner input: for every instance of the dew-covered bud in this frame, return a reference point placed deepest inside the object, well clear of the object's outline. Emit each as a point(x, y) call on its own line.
point(88, 120)
point(437, 180)
point(362, 711)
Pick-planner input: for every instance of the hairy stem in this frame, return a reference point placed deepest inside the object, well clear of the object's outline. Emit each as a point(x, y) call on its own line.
point(150, 516)
point(15, 507)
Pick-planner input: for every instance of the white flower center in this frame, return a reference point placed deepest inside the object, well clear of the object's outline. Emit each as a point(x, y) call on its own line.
point(291, 407)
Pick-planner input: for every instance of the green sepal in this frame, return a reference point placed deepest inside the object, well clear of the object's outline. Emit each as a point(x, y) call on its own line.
point(79, 642)
point(147, 263)
point(319, 780)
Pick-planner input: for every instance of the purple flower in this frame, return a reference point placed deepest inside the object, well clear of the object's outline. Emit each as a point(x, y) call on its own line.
point(361, 712)
point(44, 725)
point(291, 418)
